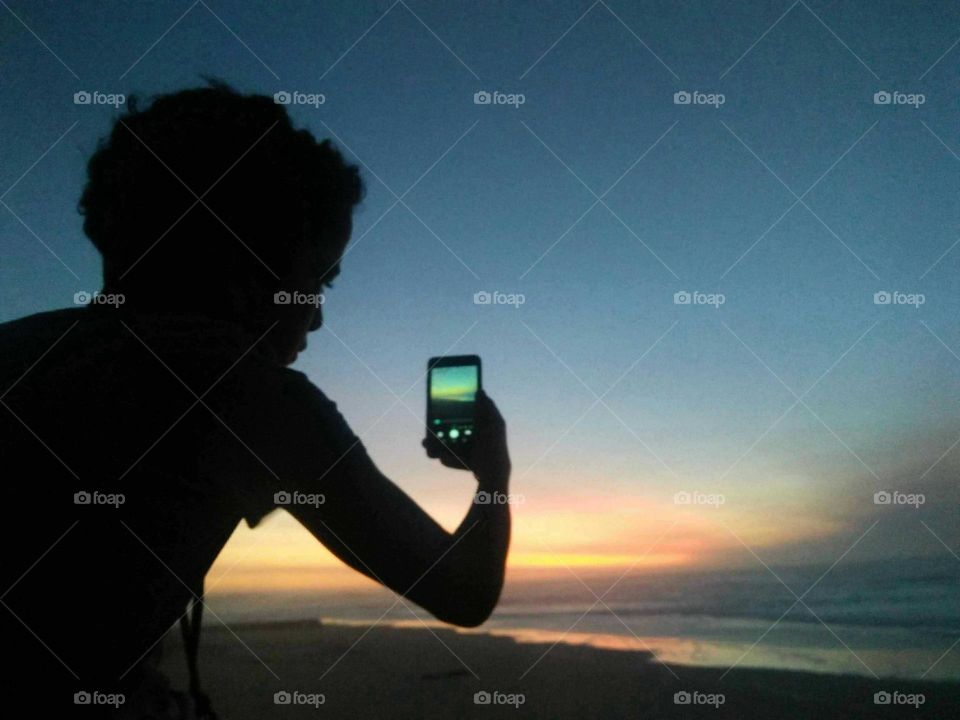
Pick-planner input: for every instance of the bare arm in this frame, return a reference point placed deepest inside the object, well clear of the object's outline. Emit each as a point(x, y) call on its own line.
point(374, 527)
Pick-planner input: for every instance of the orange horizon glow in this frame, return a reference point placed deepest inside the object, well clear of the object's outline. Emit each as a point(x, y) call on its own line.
point(603, 535)
point(578, 560)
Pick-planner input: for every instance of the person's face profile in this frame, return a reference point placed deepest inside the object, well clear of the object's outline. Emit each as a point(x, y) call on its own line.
point(305, 290)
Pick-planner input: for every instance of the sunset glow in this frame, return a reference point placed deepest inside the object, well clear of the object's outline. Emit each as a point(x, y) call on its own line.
point(602, 534)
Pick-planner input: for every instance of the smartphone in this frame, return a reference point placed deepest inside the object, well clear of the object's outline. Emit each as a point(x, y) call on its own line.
point(452, 385)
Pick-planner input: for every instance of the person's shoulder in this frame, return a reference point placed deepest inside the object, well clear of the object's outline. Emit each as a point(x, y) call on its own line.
point(26, 338)
point(295, 382)
point(30, 325)
point(291, 389)
point(283, 391)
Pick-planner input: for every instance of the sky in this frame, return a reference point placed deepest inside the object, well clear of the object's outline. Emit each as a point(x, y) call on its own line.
point(685, 297)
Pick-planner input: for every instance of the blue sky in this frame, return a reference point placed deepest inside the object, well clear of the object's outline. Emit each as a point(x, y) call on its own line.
point(597, 199)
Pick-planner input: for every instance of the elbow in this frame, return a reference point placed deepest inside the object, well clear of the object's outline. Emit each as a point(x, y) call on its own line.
point(471, 608)
point(467, 616)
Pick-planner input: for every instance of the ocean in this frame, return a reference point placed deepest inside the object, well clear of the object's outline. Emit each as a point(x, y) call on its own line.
point(884, 619)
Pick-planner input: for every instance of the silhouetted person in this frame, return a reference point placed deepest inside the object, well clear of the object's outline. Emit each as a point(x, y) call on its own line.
point(204, 206)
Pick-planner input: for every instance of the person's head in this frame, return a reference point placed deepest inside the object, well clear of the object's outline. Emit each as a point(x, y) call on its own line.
point(211, 202)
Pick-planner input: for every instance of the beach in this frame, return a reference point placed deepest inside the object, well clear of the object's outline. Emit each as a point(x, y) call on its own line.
point(377, 671)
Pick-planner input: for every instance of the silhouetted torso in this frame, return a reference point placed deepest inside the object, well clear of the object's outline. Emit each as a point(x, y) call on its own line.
point(100, 404)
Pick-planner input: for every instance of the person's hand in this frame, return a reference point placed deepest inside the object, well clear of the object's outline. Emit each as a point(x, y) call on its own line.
point(489, 458)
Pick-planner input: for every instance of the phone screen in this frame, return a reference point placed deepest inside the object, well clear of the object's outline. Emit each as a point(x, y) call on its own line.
point(452, 390)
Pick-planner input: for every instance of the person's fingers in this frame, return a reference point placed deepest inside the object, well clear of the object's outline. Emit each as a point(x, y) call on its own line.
point(438, 451)
point(487, 414)
point(481, 408)
point(489, 428)
point(451, 461)
point(496, 418)
point(432, 446)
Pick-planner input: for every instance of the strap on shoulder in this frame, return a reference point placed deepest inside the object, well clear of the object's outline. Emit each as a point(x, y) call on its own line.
point(190, 631)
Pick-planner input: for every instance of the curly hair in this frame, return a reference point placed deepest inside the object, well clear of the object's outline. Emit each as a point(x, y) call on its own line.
point(208, 193)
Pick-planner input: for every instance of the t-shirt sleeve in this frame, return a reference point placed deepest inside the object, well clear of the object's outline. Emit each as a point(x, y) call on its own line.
point(292, 449)
point(289, 441)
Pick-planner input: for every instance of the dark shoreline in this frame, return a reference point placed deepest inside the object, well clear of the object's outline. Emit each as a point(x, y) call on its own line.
point(435, 673)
